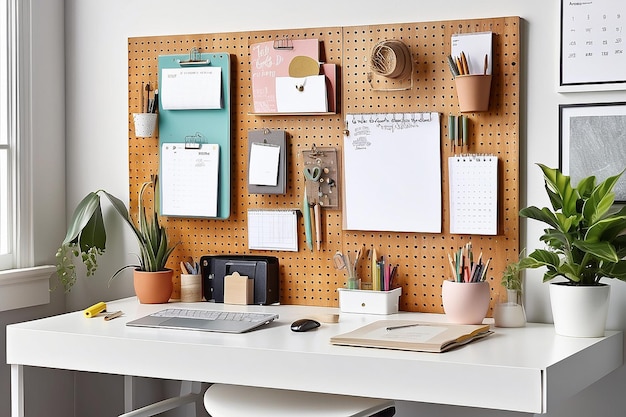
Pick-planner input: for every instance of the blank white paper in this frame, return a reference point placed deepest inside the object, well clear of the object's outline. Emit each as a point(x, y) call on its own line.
point(264, 161)
point(191, 88)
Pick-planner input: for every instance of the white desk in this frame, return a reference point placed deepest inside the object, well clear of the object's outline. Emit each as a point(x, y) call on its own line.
point(527, 369)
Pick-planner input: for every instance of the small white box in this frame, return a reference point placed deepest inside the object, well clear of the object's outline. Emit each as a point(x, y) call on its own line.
point(369, 302)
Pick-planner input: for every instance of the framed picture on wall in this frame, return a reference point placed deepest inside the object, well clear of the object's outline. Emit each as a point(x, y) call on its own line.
point(593, 55)
point(593, 142)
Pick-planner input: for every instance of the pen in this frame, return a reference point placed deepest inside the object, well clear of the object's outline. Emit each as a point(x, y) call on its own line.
point(113, 315)
point(402, 326)
point(306, 214)
point(464, 63)
point(318, 226)
point(155, 102)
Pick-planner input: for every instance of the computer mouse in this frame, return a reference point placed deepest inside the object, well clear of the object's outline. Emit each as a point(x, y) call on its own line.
point(304, 325)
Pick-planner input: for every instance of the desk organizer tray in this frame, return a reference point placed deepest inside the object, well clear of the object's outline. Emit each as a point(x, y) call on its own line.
point(369, 302)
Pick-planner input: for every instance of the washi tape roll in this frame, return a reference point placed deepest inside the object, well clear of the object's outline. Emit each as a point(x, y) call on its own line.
point(391, 58)
point(95, 309)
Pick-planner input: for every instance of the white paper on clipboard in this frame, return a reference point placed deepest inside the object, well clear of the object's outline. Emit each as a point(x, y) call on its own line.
point(191, 88)
point(189, 180)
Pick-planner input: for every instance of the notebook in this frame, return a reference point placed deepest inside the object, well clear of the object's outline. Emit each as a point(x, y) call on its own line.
point(204, 320)
point(413, 336)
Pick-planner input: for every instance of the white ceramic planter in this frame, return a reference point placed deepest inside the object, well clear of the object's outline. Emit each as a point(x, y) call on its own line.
point(579, 311)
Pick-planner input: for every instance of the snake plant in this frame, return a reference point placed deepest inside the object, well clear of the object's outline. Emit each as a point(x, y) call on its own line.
point(86, 236)
point(585, 238)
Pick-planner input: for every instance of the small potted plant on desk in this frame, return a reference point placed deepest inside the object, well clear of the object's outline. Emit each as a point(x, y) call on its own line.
point(586, 242)
point(509, 312)
point(86, 238)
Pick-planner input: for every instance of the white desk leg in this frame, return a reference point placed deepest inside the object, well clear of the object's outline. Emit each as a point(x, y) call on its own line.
point(17, 391)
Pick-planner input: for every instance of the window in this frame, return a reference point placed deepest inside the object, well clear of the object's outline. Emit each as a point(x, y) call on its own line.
point(6, 166)
point(21, 283)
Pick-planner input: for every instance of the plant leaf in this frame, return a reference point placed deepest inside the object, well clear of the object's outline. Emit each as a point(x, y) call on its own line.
point(93, 234)
point(601, 250)
point(543, 215)
point(616, 270)
point(539, 258)
point(600, 200)
point(562, 195)
point(81, 216)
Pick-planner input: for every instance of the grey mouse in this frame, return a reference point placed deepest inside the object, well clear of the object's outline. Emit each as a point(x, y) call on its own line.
point(304, 325)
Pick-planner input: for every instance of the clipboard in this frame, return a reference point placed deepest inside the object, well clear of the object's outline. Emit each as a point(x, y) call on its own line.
point(212, 125)
point(270, 138)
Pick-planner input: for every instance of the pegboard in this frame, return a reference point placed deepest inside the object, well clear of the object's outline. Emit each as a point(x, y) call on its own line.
point(310, 278)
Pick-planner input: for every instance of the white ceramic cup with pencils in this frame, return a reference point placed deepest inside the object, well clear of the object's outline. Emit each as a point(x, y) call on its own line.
point(465, 302)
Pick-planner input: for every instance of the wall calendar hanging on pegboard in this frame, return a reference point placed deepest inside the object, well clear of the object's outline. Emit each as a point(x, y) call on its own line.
point(311, 277)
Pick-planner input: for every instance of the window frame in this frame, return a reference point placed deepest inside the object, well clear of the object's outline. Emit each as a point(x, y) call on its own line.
point(21, 283)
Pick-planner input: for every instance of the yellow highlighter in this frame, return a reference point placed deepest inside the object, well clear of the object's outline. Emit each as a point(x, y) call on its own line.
point(95, 309)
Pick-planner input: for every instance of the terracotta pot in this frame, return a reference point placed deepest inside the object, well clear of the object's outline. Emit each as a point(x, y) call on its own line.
point(153, 287)
point(473, 92)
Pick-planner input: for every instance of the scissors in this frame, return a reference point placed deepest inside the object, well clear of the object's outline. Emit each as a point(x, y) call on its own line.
point(313, 173)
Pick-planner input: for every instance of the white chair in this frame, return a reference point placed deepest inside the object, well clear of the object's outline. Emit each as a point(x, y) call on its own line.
point(222, 400)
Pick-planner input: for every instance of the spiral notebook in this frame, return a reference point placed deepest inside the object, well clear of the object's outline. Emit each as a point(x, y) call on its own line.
point(473, 183)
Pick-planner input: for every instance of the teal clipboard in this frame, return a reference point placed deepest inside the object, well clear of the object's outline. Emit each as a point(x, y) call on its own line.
point(206, 126)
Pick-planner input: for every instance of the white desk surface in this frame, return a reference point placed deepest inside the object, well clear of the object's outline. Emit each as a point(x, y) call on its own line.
point(528, 369)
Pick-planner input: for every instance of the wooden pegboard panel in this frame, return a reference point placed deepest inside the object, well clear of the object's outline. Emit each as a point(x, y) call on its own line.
point(309, 277)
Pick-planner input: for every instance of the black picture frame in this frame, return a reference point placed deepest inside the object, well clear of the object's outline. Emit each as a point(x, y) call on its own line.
point(592, 141)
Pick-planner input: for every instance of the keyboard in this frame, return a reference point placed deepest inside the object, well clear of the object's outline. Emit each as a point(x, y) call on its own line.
point(213, 315)
point(204, 320)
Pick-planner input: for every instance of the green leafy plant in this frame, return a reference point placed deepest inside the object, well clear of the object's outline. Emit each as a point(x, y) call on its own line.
point(86, 236)
point(511, 277)
point(585, 239)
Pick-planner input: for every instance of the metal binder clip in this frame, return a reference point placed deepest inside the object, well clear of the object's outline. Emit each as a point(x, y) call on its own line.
point(284, 43)
point(195, 58)
point(194, 141)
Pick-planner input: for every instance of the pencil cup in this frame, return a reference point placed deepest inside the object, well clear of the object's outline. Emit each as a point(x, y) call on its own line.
point(144, 124)
point(190, 288)
point(465, 302)
point(473, 92)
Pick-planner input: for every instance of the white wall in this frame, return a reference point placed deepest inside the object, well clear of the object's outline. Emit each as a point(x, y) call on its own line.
point(96, 43)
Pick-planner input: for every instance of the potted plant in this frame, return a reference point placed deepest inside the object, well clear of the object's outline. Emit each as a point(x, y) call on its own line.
point(86, 239)
point(585, 242)
point(510, 312)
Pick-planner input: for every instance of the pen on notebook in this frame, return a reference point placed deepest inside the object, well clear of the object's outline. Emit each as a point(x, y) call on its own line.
point(403, 326)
